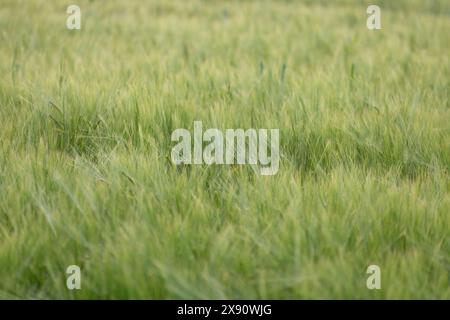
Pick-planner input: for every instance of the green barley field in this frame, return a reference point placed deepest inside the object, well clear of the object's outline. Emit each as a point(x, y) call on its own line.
point(86, 177)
